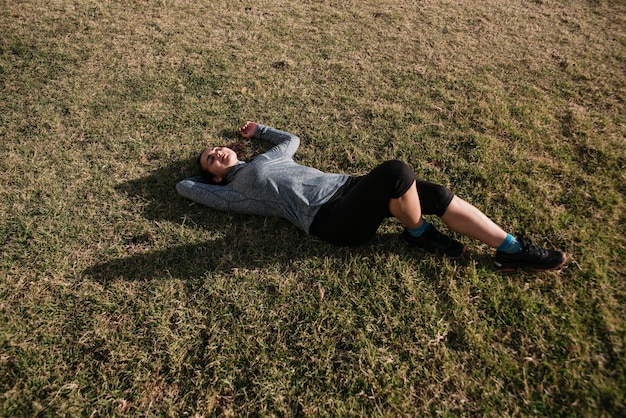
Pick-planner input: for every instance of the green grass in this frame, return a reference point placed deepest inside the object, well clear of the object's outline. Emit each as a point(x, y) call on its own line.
point(118, 297)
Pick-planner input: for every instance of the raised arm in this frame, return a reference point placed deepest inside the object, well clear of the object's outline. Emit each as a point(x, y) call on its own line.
point(285, 142)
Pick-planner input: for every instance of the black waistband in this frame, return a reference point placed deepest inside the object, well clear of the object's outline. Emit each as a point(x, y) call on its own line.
point(344, 189)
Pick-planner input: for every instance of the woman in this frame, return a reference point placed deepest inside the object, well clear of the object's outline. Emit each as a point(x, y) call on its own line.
point(346, 210)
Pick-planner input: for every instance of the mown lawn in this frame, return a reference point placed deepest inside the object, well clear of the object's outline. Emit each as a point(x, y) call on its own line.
point(118, 297)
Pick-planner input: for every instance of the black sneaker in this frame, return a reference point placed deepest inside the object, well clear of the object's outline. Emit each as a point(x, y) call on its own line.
point(530, 256)
point(435, 242)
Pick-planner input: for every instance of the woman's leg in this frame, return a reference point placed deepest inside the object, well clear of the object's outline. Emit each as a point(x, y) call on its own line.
point(432, 200)
point(460, 216)
point(407, 208)
point(466, 219)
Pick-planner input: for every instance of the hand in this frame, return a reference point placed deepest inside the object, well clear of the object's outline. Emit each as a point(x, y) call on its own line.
point(248, 130)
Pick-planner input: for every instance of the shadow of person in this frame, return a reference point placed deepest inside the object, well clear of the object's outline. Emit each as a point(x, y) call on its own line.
point(156, 193)
point(246, 245)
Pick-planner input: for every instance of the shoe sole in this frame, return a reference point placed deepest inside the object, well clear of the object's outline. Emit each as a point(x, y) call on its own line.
point(511, 268)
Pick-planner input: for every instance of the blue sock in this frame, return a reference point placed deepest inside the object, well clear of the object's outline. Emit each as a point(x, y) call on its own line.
point(417, 232)
point(510, 245)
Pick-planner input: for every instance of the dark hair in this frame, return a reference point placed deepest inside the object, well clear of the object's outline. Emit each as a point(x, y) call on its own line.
point(239, 148)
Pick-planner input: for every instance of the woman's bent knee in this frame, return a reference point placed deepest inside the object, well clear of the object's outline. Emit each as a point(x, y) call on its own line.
point(400, 175)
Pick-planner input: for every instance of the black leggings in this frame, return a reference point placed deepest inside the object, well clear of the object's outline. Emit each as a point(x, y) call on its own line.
point(354, 213)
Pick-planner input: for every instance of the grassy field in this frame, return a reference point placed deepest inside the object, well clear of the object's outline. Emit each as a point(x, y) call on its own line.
point(118, 297)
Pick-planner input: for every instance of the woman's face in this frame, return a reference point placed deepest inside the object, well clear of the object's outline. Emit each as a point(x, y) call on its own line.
point(217, 161)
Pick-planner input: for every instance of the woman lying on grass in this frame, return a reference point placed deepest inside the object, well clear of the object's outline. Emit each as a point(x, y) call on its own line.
point(345, 210)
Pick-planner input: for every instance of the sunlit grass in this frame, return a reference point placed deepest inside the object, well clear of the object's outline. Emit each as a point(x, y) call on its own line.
point(118, 297)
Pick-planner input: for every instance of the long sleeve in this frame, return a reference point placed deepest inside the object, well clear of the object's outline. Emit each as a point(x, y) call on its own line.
point(224, 198)
point(285, 143)
point(272, 184)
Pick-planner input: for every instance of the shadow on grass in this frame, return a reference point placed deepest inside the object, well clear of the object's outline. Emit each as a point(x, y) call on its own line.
point(237, 241)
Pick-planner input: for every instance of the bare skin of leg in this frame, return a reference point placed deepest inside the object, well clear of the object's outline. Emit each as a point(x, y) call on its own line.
point(407, 208)
point(461, 217)
point(466, 219)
